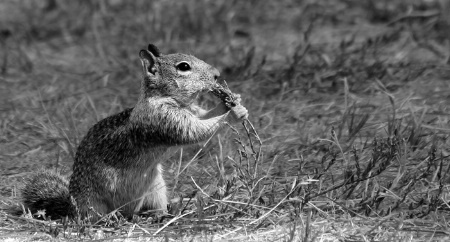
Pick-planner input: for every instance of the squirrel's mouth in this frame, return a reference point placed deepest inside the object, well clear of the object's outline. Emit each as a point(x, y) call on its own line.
point(200, 93)
point(194, 97)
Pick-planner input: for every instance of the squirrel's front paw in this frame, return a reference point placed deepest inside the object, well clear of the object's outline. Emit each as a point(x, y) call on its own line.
point(237, 98)
point(238, 113)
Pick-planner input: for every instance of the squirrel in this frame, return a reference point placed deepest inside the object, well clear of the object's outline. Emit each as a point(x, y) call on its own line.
point(118, 164)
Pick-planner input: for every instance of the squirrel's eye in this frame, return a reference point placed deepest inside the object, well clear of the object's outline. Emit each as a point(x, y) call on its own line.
point(183, 66)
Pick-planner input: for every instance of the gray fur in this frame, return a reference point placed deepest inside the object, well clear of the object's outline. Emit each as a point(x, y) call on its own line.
point(119, 160)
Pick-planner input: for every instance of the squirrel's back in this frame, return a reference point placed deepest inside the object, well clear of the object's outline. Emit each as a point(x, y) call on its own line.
point(49, 191)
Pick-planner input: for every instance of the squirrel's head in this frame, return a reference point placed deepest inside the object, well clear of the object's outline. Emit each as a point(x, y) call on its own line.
point(179, 76)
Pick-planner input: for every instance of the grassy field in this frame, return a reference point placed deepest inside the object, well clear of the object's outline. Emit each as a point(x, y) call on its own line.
point(349, 100)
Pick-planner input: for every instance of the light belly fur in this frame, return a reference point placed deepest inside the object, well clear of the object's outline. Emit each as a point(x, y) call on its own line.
point(143, 186)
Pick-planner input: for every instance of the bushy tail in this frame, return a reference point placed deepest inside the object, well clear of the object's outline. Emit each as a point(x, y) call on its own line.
point(50, 192)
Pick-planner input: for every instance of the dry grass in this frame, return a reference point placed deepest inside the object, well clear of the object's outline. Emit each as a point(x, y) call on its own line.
point(349, 98)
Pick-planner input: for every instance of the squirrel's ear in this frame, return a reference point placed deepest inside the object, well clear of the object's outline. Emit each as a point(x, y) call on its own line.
point(148, 61)
point(154, 50)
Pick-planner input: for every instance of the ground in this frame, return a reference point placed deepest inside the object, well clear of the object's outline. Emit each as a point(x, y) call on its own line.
point(349, 101)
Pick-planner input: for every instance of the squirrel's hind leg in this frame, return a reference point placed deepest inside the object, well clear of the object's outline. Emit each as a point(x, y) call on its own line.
point(156, 196)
